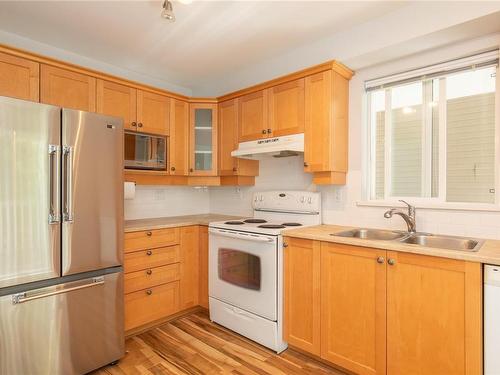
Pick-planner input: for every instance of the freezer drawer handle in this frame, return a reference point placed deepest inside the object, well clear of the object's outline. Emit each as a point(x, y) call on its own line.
point(68, 183)
point(53, 184)
point(24, 297)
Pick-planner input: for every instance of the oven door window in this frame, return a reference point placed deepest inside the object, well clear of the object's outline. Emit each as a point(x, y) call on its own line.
point(240, 268)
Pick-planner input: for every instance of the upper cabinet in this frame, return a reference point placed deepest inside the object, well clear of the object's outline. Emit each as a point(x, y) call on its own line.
point(253, 116)
point(19, 78)
point(228, 142)
point(68, 89)
point(326, 126)
point(179, 138)
point(286, 108)
point(117, 100)
point(203, 139)
point(152, 112)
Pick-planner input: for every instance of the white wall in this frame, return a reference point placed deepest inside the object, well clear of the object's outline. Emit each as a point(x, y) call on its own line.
point(163, 201)
point(340, 203)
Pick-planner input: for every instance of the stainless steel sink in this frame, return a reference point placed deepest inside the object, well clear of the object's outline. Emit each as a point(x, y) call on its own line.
point(421, 239)
point(443, 242)
point(372, 234)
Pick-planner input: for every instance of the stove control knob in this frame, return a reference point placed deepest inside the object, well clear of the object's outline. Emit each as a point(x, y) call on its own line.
point(309, 200)
point(302, 199)
point(261, 198)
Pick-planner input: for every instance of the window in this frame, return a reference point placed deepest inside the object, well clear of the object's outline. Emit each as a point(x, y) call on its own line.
point(434, 136)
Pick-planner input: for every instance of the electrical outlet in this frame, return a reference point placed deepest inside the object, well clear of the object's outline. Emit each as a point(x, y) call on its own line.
point(338, 195)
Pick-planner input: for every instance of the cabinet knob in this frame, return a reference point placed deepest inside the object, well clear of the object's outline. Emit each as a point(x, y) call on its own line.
point(380, 260)
point(285, 244)
point(305, 164)
point(269, 131)
point(149, 234)
point(149, 272)
point(264, 131)
point(139, 124)
point(149, 292)
point(149, 252)
point(191, 170)
point(391, 262)
point(235, 169)
point(134, 124)
point(172, 169)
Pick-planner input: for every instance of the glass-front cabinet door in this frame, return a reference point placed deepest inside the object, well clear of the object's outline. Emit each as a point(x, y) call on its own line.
point(203, 144)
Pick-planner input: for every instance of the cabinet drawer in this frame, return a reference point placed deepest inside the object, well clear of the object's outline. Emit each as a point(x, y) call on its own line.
point(144, 259)
point(151, 277)
point(150, 239)
point(148, 305)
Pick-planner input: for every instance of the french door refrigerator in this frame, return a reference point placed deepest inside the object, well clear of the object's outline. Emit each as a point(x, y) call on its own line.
point(61, 239)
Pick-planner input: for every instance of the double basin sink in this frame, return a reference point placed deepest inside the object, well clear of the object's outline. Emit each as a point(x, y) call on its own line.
point(421, 239)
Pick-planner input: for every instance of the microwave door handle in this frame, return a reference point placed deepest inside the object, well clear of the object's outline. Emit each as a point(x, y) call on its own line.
point(240, 236)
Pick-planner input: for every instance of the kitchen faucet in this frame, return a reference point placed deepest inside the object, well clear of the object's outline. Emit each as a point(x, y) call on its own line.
point(409, 218)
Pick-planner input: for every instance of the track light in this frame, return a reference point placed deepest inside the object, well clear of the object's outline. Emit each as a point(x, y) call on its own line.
point(168, 11)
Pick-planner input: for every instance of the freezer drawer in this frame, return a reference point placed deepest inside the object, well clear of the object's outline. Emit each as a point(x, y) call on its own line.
point(92, 191)
point(70, 328)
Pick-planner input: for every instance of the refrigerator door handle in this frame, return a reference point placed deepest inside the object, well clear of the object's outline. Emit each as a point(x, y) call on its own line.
point(68, 184)
point(54, 215)
point(30, 296)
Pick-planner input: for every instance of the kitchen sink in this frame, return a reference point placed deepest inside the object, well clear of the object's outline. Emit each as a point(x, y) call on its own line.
point(421, 239)
point(372, 234)
point(443, 242)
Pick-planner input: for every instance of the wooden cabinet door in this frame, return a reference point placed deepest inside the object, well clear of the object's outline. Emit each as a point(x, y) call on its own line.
point(117, 100)
point(302, 294)
point(353, 307)
point(152, 112)
point(68, 89)
point(326, 122)
point(253, 116)
point(189, 267)
point(203, 280)
point(179, 138)
point(286, 108)
point(19, 78)
point(434, 315)
point(203, 139)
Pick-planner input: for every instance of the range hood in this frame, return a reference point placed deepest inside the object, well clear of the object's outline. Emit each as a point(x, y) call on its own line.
point(278, 147)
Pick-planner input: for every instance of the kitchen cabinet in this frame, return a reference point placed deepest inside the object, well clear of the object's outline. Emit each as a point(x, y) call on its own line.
point(286, 108)
point(253, 116)
point(302, 294)
point(179, 138)
point(118, 100)
point(19, 78)
point(434, 315)
point(353, 306)
point(153, 114)
point(189, 266)
point(66, 88)
point(228, 142)
point(383, 312)
point(203, 139)
point(326, 127)
point(203, 266)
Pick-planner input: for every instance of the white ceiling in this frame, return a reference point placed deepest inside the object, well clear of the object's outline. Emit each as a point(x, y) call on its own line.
point(219, 46)
point(209, 38)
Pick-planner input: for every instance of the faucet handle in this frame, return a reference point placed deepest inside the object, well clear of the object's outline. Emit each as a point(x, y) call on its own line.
point(411, 209)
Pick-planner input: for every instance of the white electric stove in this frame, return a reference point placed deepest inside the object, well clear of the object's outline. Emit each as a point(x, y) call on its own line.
point(246, 264)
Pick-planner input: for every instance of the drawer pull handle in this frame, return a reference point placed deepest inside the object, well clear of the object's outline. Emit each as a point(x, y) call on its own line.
point(149, 272)
point(149, 234)
point(149, 292)
point(149, 252)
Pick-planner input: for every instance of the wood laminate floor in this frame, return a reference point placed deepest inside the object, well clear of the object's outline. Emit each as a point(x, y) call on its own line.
point(193, 345)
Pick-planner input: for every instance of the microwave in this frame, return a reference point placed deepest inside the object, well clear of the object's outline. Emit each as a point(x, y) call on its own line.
point(145, 151)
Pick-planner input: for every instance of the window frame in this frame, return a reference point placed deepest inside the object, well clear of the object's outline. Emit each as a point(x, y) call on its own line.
point(439, 202)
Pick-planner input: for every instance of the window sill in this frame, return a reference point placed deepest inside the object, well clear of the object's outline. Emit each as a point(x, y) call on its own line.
point(433, 206)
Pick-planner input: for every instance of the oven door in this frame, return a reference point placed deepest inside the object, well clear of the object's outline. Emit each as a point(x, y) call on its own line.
point(144, 151)
point(243, 270)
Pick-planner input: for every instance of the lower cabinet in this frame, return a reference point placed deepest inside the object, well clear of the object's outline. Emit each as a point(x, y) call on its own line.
point(383, 312)
point(203, 272)
point(189, 266)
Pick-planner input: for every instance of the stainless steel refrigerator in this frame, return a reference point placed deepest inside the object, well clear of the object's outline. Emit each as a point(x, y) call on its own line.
point(61, 239)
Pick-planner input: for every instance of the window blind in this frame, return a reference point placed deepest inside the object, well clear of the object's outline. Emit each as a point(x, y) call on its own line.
point(482, 60)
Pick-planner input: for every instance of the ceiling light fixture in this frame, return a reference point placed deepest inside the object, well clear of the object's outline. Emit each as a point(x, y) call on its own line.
point(168, 11)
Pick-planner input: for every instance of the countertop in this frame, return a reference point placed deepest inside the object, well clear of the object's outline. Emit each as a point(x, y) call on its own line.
point(489, 252)
point(174, 221)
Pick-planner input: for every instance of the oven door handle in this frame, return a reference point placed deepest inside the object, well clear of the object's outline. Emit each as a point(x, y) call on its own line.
point(240, 236)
